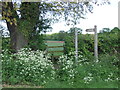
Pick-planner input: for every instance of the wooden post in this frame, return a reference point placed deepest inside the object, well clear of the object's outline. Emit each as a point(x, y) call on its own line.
point(76, 45)
point(96, 43)
point(119, 14)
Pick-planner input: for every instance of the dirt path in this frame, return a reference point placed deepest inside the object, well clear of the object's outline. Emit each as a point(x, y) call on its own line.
point(20, 86)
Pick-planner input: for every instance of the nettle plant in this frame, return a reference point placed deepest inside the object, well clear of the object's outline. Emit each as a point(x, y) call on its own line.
point(28, 66)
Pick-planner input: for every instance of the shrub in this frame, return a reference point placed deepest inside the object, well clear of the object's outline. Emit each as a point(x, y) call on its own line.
point(34, 67)
point(68, 67)
point(87, 72)
point(27, 66)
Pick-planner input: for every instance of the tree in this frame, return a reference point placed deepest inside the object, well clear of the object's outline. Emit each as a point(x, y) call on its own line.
point(62, 35)
point(72, 30)
point(18, 26)
point(105, 30)
point(22, 25)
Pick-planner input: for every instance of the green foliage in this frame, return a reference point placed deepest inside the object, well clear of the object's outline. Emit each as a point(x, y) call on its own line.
point(108, 42)
point(37, 43)
point(69, 44)
point(26, 66)
point(86, 74)
point(27, 20)
point(31, 25)
point(35, 68)
point(5, 43)
point(30, 17)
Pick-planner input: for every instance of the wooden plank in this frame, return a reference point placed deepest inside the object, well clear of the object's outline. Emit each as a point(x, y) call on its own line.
point(54, 41)
point(54, 46)
point(90, 30)
point(56, 56)
point(55, 51)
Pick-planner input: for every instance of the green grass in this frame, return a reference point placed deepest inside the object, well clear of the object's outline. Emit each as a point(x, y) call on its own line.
point(104, 85)
point(57, 84)
point(61, 84)
point(99, 84)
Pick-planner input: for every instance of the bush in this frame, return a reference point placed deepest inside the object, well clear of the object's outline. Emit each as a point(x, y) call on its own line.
point(34, 67)
point(69, 71)
point(27, 66)
point(88, 72)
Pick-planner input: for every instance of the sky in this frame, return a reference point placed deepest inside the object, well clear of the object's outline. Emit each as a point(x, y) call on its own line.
point(105, 16)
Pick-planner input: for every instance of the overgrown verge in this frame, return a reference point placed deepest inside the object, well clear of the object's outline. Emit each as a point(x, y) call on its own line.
point(88, 73)
point(35, 68)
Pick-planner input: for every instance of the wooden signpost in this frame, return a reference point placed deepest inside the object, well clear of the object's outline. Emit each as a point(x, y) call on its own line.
point(95, 41)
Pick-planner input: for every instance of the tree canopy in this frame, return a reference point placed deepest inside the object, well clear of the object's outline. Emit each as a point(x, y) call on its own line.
point(26, 19)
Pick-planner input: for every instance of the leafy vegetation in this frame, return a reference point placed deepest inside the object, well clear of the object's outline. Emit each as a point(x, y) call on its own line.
point(27, 66)
point(35, 68)
point(26, 19)
point(107, 41)
point(32, 66)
